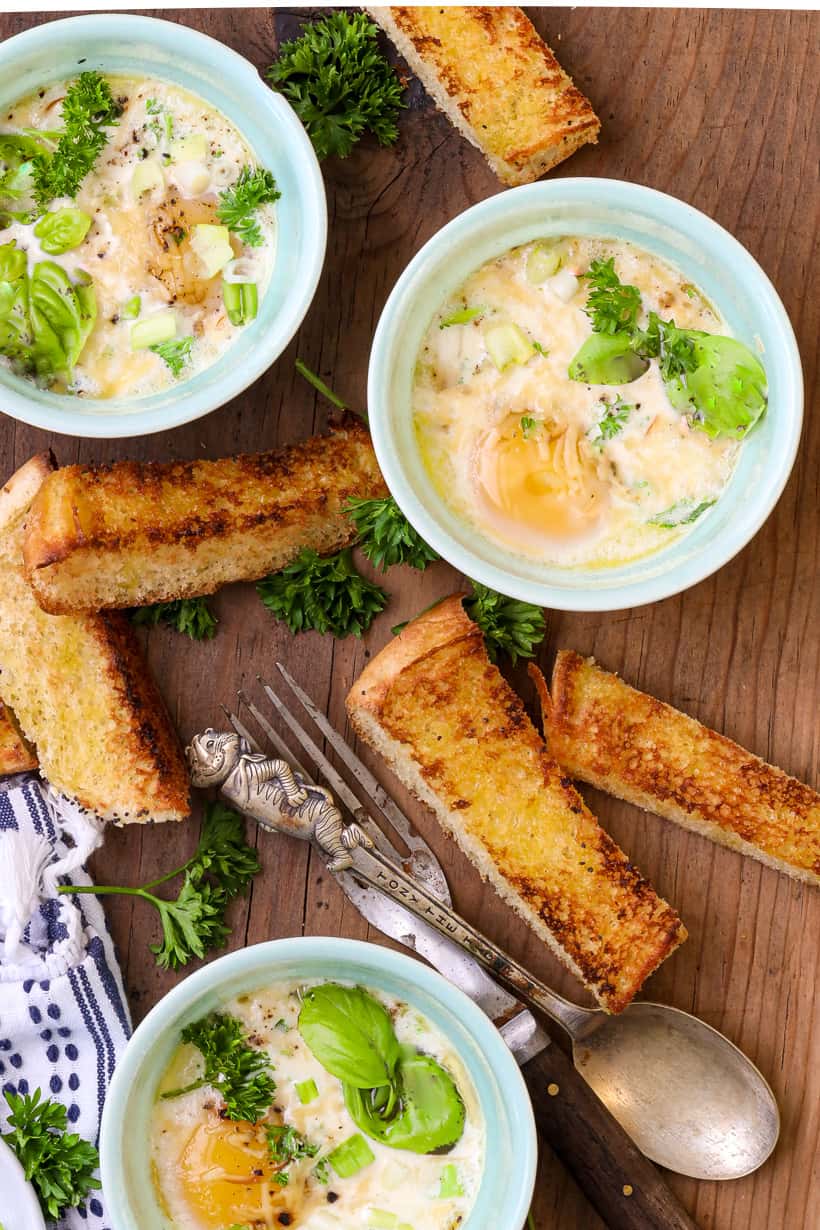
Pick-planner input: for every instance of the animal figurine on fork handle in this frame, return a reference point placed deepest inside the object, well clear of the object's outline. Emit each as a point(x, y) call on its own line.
point(267, 789)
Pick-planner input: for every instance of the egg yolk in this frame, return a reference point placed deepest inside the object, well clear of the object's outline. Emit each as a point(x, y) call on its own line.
point(538, 484)
point(225, 1175)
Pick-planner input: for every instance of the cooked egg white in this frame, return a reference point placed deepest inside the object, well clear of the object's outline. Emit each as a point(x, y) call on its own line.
point(211, 1173)
point(519, 454)
point(159, 175)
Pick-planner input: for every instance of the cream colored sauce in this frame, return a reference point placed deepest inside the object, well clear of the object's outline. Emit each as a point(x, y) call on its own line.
point(555, 493)
point(131, 248)
point(203, 1166)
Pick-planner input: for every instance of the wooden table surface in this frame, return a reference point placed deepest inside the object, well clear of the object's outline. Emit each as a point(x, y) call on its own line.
point(718, 109)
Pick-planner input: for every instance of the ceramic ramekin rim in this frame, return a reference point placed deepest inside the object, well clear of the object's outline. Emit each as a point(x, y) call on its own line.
point(59, 416)
point(341, 951)
point(613, 596)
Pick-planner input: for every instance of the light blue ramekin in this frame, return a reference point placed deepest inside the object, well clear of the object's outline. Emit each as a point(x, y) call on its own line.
point(121, 43)
point(509, 1173)
point(710, 258)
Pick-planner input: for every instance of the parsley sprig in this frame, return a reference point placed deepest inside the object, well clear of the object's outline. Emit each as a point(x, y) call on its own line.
point(88, 110)
point(221, 867)
point(191, 616)
point(386, 537)
point(339, 83)
point(324, 594)
point(509, 625)
point(60, 1165)
point(611, 305)
point(175, 353)
point(612, 420)
point(240, 1074)
point(238, 204)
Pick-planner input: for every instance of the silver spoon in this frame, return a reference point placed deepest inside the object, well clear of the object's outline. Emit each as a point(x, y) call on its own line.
point(686, 1095)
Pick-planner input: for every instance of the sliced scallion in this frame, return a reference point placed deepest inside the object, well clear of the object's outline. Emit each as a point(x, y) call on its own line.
point(307, 1091)
point(351, 1156)
point(241, 301)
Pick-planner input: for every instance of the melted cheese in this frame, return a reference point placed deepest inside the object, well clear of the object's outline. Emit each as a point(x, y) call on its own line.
point(517, 453)
point(211, 1174)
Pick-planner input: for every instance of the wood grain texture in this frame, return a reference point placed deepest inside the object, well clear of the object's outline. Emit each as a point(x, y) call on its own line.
point(718, 108)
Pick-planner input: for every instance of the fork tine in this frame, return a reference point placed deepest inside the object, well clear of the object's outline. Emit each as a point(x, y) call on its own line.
point(360, 771)
point(241, 730)
point(279, 745)
point(337, 783)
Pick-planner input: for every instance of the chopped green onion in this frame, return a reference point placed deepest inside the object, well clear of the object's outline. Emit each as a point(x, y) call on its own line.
point(131, 309)
point(462, 317)
point(450, 1183)
point(380, 1219)
point(212, 245)
point(319, 385)
point(351, 1156)
point(241, 301)
point(544, 260)
point(307, 1091)
point(160, 327)
point(528, 426)
point(506, 345)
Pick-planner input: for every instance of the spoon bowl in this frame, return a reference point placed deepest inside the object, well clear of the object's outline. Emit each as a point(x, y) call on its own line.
point(686, 1095)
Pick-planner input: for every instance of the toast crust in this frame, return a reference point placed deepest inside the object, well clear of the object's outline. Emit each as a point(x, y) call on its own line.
point(642, 750)
point(494, 76)
point(131, 533)
point(458, 736)
point(15, 754)
point(81, 692)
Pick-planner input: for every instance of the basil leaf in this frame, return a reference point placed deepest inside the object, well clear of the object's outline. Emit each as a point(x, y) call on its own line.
point(351, 1034)
point(726, 388)
point(12, 262)
point(62, 316)
point(62, 230)
point(431, 1112)
point(607, 358)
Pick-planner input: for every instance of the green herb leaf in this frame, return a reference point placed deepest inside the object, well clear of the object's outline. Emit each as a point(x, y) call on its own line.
point(175, 353)
point(611, 422)
point(509, 626)
point(682, 513)
point(323, 594)
point(339, 83)
point(89, 108)
point(223, 852)
point(724, 387)
point(611, 305)
point(62, 230)
point(607, 358)
point(286, 1145)
point(386, 537)
point(240, 1075)
point(60, 1165)
point(191, 616)
point(319, 385)
point(430, 1114)
point(238, 204)
point(351, 1034)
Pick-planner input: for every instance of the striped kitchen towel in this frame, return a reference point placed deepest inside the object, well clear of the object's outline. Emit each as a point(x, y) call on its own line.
point(64, 1019)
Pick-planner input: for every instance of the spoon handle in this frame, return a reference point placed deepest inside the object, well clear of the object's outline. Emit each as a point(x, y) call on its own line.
point(625, 1188)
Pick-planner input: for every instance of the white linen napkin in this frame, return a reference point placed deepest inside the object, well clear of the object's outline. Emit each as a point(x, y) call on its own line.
point(64, 1019)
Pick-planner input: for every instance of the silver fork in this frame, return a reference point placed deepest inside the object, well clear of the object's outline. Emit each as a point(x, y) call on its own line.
point(400, 887)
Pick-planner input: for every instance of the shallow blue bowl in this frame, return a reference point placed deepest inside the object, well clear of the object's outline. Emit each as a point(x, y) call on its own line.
point(509, 1174)
point(121, 43)
point(710, 258)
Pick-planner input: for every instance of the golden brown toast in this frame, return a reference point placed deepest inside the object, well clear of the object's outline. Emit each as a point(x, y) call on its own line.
point(456, 734)
point(80, 689)
point(133, 533)
point(495, 78)
point(607, 733)
point(15, 754)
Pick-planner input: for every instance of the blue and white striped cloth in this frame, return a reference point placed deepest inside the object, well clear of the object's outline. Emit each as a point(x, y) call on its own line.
point(64, 1018)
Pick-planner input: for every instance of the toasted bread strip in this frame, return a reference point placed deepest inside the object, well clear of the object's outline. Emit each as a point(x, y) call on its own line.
point(80, 691)
point(133, 533)
point(15, 754)
point(495, 78)
point(607, 733)
point(455, 733)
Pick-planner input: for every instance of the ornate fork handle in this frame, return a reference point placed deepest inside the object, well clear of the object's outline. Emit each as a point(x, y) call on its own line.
point(383, 874)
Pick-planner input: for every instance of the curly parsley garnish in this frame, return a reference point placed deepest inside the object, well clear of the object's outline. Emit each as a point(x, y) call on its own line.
point(509, 626)
point(323, 594)
point(238, 204)
point(89, 108)
point(238, 1073)
point(611, 423)
point(386, 537)
point(286, 1145)
point(175, 353)
point(339, 83)
point(191, 616)
point(60, 1165)
point(611, 305)
point(221, 867)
